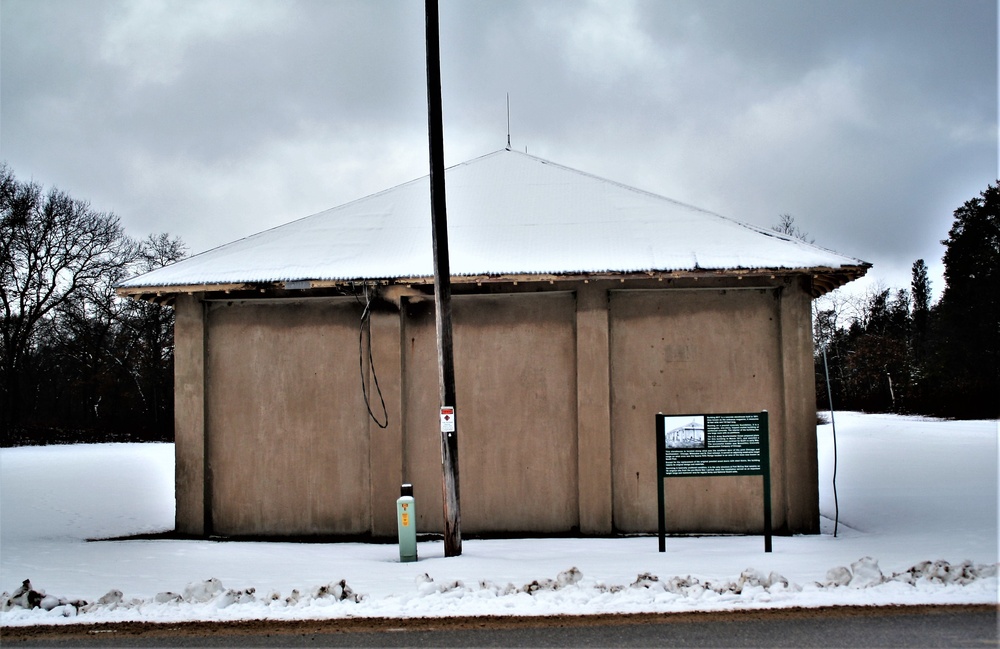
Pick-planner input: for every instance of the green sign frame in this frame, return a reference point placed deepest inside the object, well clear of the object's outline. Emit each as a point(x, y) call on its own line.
point(713, 445)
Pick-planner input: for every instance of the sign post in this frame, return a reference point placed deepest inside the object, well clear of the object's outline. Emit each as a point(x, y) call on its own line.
point(700, 445)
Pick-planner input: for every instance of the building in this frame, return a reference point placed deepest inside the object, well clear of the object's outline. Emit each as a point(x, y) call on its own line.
point(581, 308)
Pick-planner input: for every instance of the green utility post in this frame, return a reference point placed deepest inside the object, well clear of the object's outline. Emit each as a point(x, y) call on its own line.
point(406, 523)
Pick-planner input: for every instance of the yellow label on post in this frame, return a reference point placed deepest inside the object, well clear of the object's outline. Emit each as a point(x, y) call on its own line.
point(406, 520)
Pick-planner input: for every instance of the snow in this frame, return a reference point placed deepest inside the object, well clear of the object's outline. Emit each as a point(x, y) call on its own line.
point(918, 525)
point(508, 213)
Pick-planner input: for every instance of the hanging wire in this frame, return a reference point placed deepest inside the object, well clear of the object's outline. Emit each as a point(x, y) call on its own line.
point(366, 328)
point(833, 423)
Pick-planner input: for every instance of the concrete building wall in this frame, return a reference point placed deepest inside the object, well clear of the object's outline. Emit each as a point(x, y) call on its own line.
point(557, 392)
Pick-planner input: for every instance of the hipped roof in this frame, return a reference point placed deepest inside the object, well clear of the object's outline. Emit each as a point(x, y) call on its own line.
point(509, 214)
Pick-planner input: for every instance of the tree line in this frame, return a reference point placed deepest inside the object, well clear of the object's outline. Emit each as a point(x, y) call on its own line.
point(76, 361)
point(895, 351)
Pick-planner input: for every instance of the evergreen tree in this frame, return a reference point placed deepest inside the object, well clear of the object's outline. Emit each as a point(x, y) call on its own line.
point(876, 371)
point(920, 286)
point(968, 316)
point(902, 353)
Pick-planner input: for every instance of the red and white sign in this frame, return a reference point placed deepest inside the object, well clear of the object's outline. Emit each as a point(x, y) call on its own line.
point(447, 419)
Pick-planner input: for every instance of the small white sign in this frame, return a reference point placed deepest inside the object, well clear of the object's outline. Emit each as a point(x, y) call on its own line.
point(448, 419)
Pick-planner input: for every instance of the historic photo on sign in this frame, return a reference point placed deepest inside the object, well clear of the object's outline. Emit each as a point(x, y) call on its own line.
point(684, 432)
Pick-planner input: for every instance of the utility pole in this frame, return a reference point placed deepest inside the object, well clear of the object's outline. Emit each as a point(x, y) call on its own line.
point(442, 290)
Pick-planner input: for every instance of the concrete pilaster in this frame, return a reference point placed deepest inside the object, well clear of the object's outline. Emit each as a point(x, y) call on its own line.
point(593, 410)
point(192, 491)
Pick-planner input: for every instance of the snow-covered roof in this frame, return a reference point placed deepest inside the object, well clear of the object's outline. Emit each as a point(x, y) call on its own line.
point(509, 213)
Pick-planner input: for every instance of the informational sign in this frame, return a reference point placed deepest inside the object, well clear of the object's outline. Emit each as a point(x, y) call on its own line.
point(711, 445)
point(447, 419)
point(707, 445)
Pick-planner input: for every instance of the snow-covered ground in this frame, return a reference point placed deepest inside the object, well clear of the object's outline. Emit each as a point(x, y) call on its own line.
point(918, 525)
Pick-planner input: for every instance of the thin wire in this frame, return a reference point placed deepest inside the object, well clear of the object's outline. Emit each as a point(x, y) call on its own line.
point(366, 326)
point(833, 423)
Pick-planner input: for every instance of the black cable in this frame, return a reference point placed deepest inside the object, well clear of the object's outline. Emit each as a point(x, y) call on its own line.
point(367, 326)
point(833, 423)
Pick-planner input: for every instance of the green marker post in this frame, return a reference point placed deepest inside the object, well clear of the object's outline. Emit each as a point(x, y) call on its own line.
point(406, 524)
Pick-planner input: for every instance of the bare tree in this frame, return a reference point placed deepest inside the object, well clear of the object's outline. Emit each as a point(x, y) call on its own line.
point(147, 330)
point(786, 225)
point(54, 249)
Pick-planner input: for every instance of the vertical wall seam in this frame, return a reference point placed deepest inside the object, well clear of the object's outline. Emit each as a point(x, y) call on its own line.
point(606, 301)
point(580, 500)
point(367, 385)
point(208, 525)
point(786, 424)
point(403, 410)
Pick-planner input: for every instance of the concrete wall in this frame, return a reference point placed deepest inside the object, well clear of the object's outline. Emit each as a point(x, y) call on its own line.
point(557, 391)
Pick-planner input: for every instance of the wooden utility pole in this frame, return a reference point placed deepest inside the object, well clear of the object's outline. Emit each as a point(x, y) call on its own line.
point(442, 291)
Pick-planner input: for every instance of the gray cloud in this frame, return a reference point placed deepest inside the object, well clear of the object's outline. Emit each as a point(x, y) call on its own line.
point(869, 121)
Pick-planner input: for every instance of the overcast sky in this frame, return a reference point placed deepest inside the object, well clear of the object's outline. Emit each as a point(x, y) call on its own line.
point(869, 121)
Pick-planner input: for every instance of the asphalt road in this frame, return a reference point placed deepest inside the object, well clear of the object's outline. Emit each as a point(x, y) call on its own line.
point(949, 626)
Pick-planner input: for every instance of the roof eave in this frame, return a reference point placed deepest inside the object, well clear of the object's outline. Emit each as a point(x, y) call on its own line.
point(822, 280)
